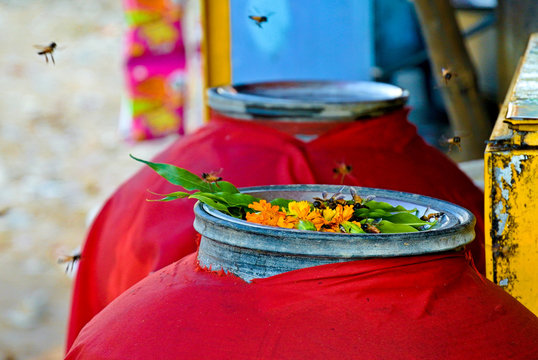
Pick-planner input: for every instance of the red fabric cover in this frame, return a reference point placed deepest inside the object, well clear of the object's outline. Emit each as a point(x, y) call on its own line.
point(421, 307)
point(131, 237)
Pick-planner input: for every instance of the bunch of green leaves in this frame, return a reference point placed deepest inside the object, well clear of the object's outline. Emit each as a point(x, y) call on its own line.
point(390, 219)
point(225, 197)
point(221, 195)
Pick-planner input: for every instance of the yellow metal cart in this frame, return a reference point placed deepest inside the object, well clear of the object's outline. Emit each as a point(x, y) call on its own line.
point(511, 186)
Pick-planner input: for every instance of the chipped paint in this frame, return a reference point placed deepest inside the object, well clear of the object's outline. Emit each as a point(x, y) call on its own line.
point(501, 214)
point(504, 173)
point(511, 187)
point(516, 161)
point(512, 244)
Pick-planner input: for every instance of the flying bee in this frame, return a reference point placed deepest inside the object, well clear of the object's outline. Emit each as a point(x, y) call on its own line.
point(342, 169)
point(212, 177)
point(451, 142)
point(71, 260)
point(4, 211)
point(44, 50)
point(260, 19)
point(447, 74)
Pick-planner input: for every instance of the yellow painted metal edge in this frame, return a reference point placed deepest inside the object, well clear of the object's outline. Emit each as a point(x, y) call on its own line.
point(511, 191)
point(216, 45)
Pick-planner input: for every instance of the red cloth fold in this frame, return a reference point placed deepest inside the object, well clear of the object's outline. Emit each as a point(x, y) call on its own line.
point(131, 237)
point(421, 307)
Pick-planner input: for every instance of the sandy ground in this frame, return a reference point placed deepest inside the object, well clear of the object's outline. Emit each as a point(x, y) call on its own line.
point(60, 157)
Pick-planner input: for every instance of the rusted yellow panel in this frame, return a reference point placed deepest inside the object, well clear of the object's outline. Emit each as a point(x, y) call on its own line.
point(511, 187)
point(512, 247)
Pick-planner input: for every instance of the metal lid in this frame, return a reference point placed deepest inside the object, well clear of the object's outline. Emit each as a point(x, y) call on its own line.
point(307, 100)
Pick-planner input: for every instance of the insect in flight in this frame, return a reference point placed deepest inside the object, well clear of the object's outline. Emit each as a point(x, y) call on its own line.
point(71, 260)
point(342, 170)
point(212, 177)
point(260, 19)
point(447, 74)
point(451, 142)
point(44, 50)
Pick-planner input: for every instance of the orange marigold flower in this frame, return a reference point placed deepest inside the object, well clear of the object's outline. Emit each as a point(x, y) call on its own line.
point(334, 217)
point(263, 205)
point(332, 229)
point(267, 214)
point(316, 218)
point(287, 222)
point(343, 213)
point(299, 209)
point(328, 215)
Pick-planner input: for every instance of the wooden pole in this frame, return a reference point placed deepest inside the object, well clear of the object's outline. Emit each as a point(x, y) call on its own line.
point(466, 111)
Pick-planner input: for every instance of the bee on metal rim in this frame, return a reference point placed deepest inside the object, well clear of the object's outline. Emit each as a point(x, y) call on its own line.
point(370, 228)
point(447, 74)
point(358, 202)
point(355, 197)
point(212, 177)
point(342, 169)
point(71, 260)
point(44, 50)
point(430, 216)
point(330, 202)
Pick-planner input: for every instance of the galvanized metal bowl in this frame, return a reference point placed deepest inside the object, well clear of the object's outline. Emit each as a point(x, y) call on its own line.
point(251, 250)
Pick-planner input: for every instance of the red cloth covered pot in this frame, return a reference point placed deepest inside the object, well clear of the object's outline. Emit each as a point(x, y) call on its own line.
point(419, 307)
point(131, 237)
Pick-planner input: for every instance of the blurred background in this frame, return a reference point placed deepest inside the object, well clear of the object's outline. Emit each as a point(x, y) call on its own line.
point(60, 156)
point(62, 152)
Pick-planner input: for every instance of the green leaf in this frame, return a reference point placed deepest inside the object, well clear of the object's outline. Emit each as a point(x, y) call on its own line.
point(178, 176)
point(388, 227)
point(213, 196)
point(352, 228)
point(401, 208)
point(237, 199)
point(227, 187)
point(407, 219)
point(362, 212)
point(378, 213)
point(236, 212)
point(305, 225)
point(171, 196)
point(211, 201)
point(374, 205)
point(282, 203)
